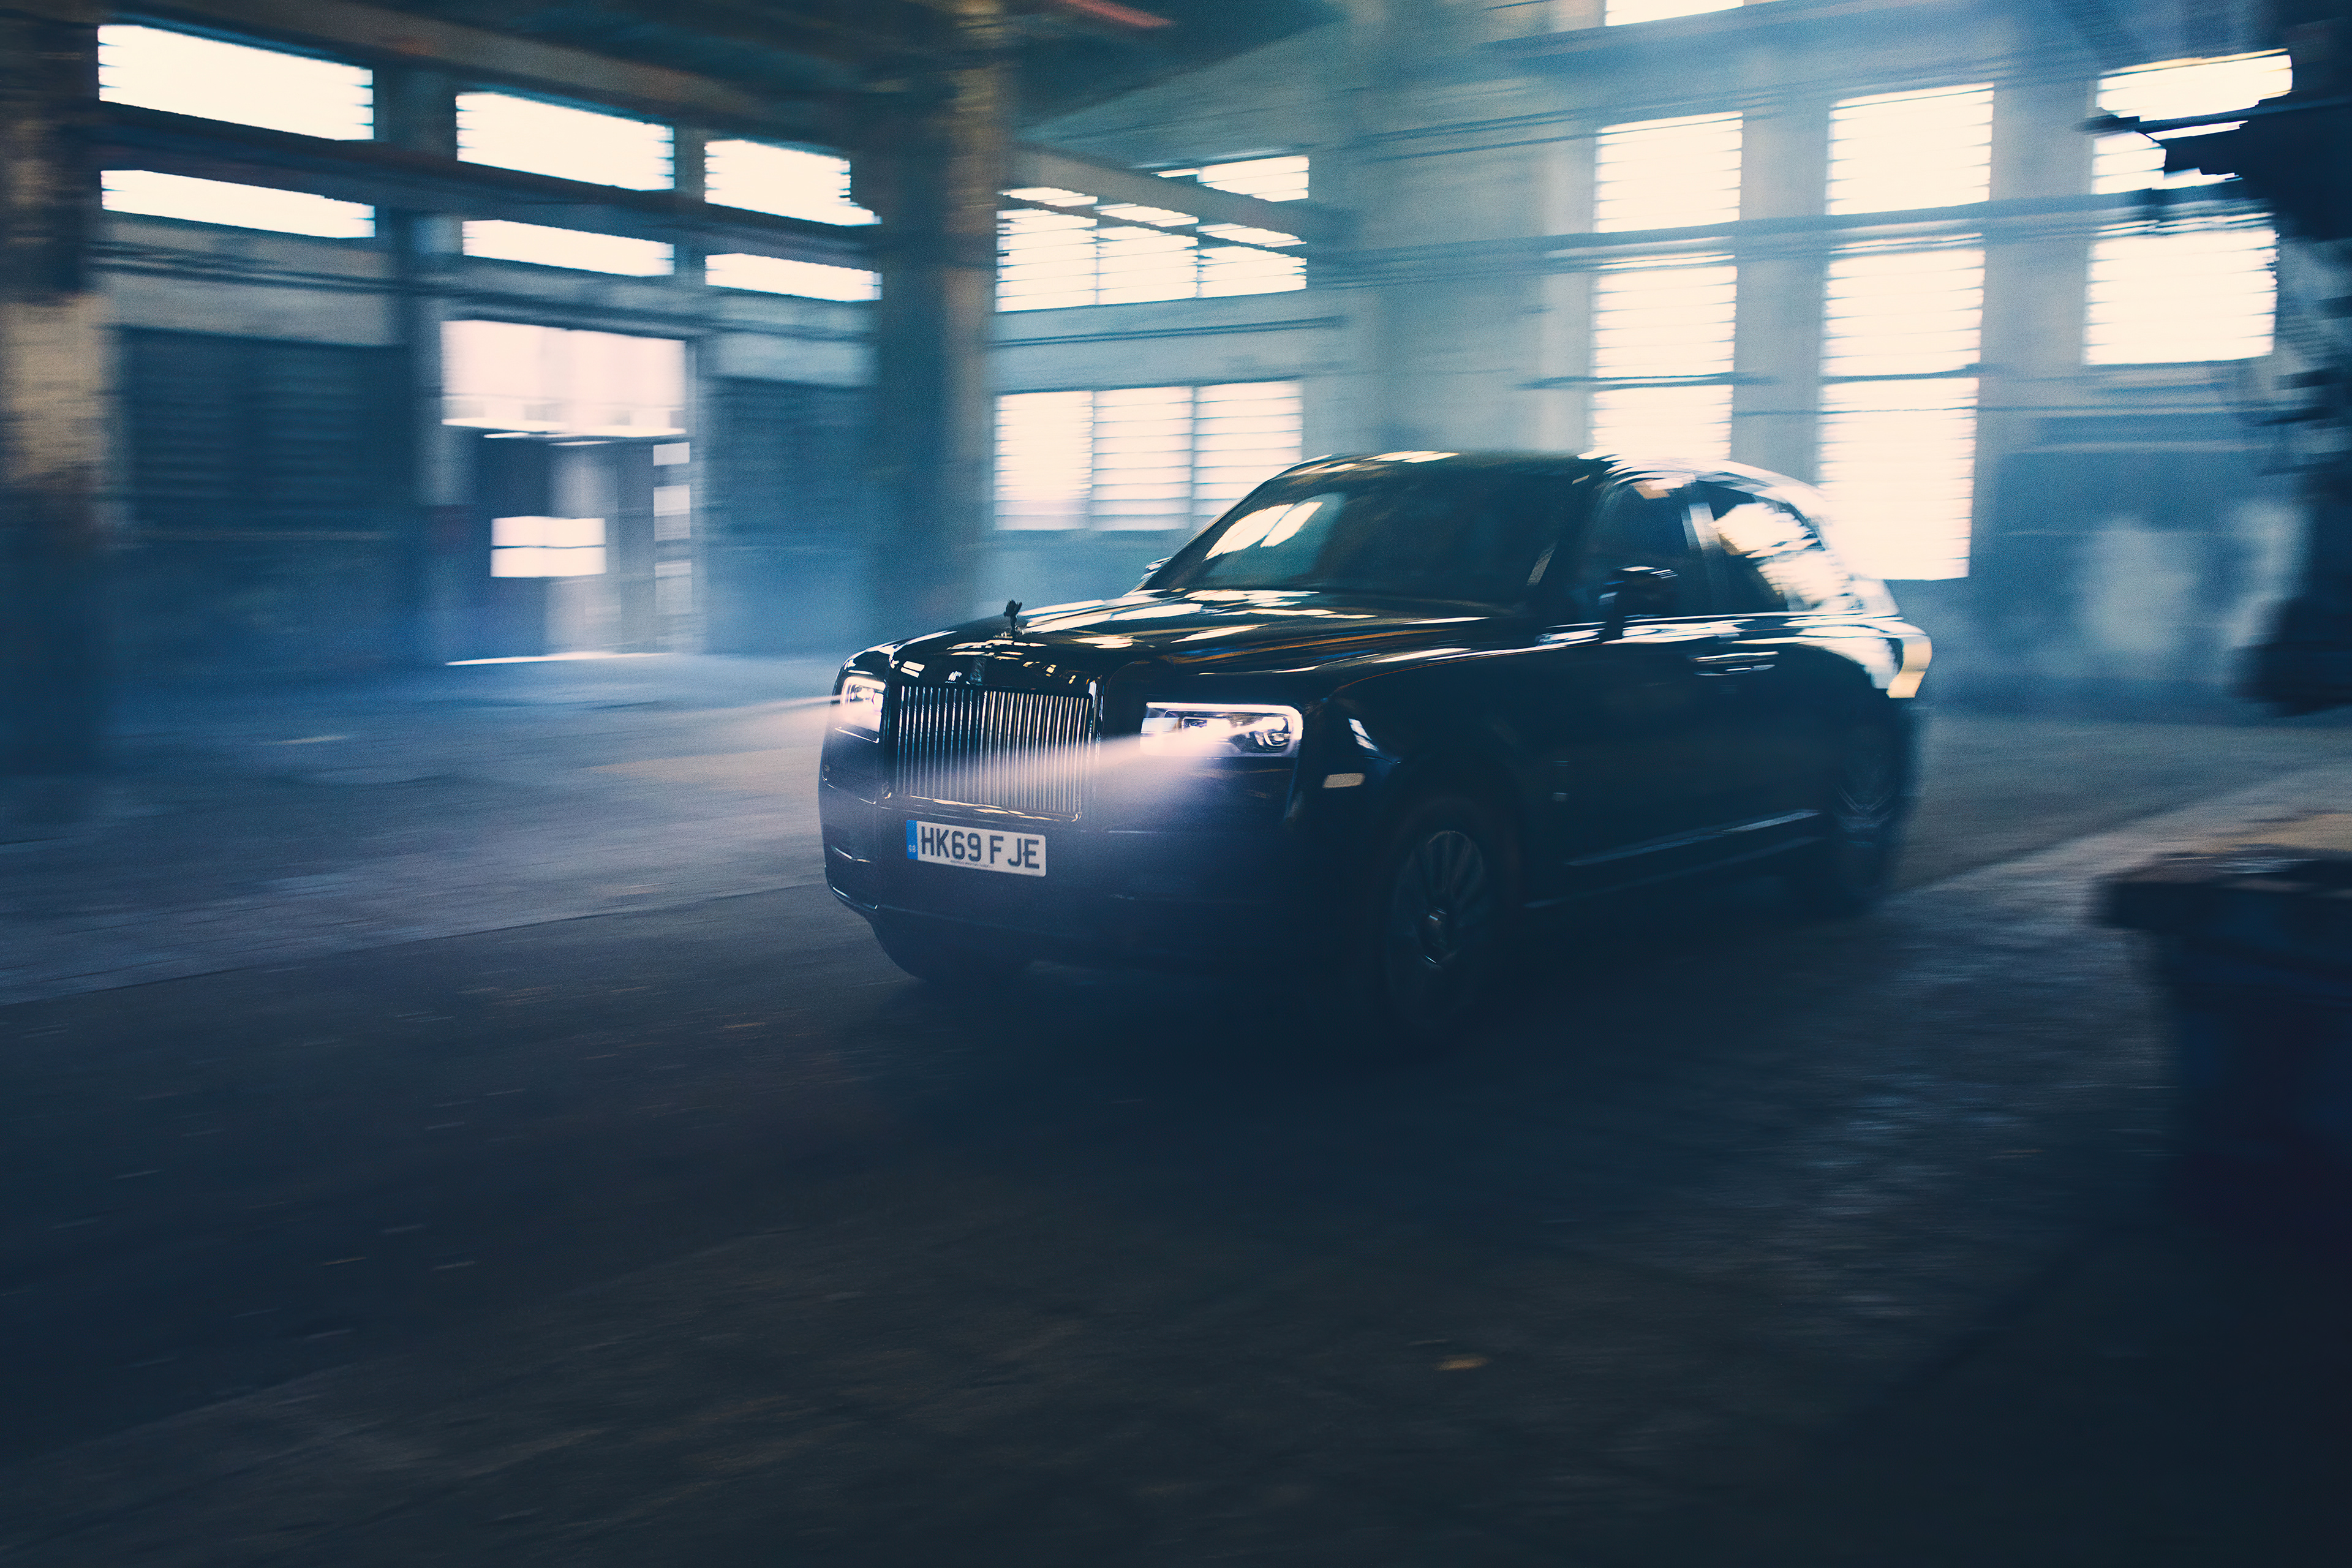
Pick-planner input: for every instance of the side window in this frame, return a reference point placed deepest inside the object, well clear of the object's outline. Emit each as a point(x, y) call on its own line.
point(1633, 525)
point(1770, 559)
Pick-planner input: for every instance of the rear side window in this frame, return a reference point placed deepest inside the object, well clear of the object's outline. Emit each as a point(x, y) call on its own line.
point(1770, 558)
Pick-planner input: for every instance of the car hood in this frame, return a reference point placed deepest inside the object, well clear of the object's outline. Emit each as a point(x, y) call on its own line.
point(1226, 630)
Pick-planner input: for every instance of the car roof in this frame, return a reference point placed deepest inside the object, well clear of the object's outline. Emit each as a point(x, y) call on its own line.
point(1581, 465)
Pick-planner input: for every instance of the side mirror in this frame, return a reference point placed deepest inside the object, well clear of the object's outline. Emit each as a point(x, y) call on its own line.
point(1636, 592)
point(1149, 571)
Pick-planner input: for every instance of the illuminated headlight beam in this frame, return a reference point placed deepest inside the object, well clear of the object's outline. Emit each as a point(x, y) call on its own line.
point(1220, 730)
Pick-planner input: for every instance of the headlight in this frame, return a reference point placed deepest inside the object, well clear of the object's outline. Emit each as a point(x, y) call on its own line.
point(857, 706)
point(1220, 729)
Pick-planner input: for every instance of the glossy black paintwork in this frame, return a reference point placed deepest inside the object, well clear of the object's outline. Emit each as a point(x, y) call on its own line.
point(1692, 741)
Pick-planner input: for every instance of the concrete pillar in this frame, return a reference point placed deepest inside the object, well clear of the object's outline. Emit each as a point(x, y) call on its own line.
point(1784, 161)
point(416, 107)
point(932, 171)
point(54, 678)
point(2036, 286)
point(687, 154)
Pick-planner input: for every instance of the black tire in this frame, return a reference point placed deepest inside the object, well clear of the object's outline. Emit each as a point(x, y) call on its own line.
point(944, 960)
point(1865, 801)
point(1429, 937)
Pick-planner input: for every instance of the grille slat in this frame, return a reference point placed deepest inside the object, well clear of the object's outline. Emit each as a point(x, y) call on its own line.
point(1020, 751)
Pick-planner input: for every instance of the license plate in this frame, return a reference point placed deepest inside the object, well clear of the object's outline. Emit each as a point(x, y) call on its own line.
point(976, 848)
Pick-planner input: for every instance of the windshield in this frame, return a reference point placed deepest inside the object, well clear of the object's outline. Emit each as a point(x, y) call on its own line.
point(1472, 537)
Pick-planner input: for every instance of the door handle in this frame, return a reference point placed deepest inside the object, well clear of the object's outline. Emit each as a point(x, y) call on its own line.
point(1750, 663)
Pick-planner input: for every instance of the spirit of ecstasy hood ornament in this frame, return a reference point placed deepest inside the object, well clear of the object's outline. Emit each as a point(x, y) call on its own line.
point(1013, 617)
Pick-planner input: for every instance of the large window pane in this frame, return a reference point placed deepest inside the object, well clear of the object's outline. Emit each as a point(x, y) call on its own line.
point(183, 74)
point(1902, 312)
point(1282, 179)
point(1164, 458)
point(775, 275)
point(1664, 320)
point(1667, 173)
point(791, 181)
point(568, 143)
point(1897, 151)
point(2176, 89)
point(146, 192)
point(1620, 12)
point(2200, 294)
point(572, 247)
point(1898, 462)
point(1692, 422)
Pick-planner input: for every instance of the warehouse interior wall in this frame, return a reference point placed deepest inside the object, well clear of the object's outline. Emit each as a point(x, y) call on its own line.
point(293, 497)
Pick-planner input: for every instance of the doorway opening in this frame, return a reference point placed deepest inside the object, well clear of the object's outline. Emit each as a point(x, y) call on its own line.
point(581, 536)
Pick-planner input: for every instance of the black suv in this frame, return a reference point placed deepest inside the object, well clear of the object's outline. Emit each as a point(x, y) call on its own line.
point(1381, 709)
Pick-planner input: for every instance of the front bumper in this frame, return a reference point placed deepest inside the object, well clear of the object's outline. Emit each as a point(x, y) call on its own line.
point(1184, 897)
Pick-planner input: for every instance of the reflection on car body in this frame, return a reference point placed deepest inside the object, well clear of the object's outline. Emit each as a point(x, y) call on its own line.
point(1381, 709)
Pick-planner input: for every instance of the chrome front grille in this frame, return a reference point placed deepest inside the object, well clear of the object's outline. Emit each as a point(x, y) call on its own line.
point(1023, 751)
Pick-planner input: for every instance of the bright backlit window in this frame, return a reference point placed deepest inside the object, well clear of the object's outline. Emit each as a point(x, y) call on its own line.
point(1664, 320)
point(547, 546)
point(145, 192)
point(2199, 294)
point(1687, 422)
point(1057, 258)
point(775, 275)
point(568, 143)
point(183, 74)
point(1667, 173)
point(1898, 456)
point(1049, 260)
point(574, 247)
point(2175, 89)
point(515, 376)
point(1902, 312)
point(1269, 179)
point(1897, 461)
point(1620, 11)
point(791, 181)
point(1139, 458)
point(1899, 150)
point(1654, 322)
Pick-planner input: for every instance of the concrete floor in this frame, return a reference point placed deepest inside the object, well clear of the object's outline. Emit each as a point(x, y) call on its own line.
point(452, 1124)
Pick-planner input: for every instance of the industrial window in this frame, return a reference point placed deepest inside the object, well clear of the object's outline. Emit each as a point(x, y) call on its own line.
point(1899, 455)
point(1687, 422)
point(1671, 324)
point(574, 247)
point(1667, 173)
point(1902, 312)
point(1899, 150)
point(1139, 458)
point(1618, 13)
point(791, 181)
point(1269, 179)
point(2175, 89)
point(1899, 461)
point(568, 143)
point(183, 74)
point(2168, 298)
point(154, 195)
point(1052, 259)
point(514, 377)
point(775, 275)
point(547, 547)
